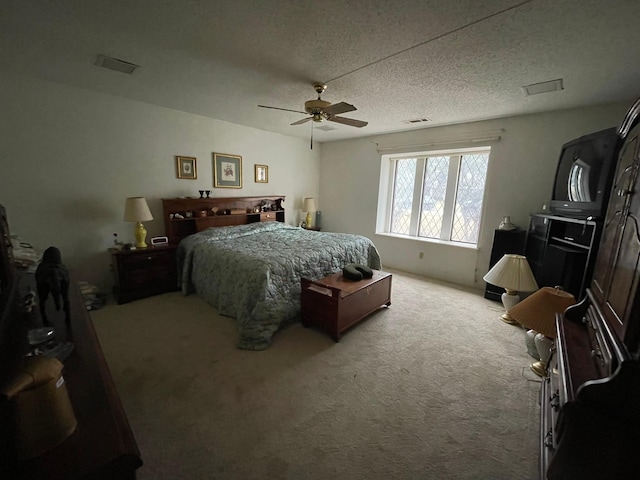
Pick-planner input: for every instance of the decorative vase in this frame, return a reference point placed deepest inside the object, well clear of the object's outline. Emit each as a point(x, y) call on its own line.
point(506, 224)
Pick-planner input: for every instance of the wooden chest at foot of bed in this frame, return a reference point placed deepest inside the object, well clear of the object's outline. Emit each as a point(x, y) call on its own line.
point(335, 303)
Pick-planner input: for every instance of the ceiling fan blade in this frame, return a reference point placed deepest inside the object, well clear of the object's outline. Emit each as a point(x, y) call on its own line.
point(285, 109)
point(337, 108)
point(348, 121)
point(300, 122)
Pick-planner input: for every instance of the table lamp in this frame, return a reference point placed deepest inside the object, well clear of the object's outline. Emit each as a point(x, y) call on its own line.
point(513, 273)
point(137, 210)
point(309, 206)
point(538, 312)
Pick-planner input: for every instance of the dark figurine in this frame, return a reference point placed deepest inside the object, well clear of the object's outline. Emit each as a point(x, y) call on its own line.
point(279, 204)
point(52, 277)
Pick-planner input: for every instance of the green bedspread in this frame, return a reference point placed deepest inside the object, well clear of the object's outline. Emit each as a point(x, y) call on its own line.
point(252, 272)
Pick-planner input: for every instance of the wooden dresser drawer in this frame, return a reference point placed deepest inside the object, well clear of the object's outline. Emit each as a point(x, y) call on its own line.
point(145, 260)
point(142, 273)
point(268, 217)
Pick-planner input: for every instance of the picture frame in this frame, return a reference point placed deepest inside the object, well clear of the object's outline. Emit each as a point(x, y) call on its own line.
point(227, 170)
point(261, 173)
point(186, 167)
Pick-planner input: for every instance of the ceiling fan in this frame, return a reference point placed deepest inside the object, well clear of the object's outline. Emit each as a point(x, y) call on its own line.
point(320, 110)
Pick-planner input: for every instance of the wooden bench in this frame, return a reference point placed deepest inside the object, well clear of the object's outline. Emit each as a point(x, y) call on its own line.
point(335, 303)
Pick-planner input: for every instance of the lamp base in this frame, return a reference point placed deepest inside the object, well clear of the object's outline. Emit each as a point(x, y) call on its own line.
point(539, 368)
point(506, 318)
point(308, 220)
point(543, 346)
point(140, 234)
point(510, 299)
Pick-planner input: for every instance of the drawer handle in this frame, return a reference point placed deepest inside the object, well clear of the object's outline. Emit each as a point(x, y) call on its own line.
point(149, 258)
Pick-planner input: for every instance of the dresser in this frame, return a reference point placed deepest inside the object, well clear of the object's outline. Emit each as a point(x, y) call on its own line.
point(144, 272)
point(590, 398)
point(103, 446)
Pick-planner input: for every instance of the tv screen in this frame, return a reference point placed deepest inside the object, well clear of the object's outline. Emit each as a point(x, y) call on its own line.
point(584, 175)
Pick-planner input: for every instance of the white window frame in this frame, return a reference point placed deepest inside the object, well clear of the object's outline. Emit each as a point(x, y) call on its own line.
point(387, 182)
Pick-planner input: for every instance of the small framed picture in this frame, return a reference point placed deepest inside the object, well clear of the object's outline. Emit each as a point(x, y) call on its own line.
point(227, 170)
point(186, 167)
point(262, 174)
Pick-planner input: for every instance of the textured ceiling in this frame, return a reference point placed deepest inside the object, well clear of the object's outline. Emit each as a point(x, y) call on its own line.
point(448, 61)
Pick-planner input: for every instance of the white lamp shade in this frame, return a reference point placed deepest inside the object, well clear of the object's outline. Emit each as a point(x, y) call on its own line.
point(512, 272)
point(309, 205)
point(137, 210)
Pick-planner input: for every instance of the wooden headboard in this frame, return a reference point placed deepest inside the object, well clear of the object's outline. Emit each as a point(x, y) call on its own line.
point(186, 216)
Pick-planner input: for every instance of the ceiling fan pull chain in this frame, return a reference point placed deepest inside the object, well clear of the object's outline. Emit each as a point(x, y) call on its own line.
point(312, 135)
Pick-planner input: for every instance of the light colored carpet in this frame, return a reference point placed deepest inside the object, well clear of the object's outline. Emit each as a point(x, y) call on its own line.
point(435, 387)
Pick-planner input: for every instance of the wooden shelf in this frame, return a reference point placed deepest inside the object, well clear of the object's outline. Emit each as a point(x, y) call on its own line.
point(178, 228)
point(561, 251)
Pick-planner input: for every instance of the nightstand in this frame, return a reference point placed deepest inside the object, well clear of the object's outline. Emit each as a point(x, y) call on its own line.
point(144, 272)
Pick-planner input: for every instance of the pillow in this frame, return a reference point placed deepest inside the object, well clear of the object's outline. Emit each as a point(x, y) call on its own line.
point(356, 271)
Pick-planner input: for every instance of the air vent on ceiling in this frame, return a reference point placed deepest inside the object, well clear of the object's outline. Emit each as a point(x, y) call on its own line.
point(416, 120)
point(115, 64)
point(543, 87)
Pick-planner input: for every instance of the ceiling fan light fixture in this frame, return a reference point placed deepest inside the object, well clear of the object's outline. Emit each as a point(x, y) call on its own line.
point(319, 110)
point(315, 106)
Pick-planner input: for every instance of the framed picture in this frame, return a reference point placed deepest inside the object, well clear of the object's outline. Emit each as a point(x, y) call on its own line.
point(227, 170)
point(186, 167)
point(262, 174)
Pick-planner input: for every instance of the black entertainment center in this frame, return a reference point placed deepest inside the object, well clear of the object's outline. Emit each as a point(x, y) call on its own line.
point(590, 393)
point(562, 242)
point(561, 251)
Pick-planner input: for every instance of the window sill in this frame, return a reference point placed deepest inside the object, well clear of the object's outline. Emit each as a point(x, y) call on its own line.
point(467, 246)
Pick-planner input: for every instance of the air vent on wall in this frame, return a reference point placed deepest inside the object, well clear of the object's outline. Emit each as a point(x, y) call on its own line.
point(115, 64)
point(416, 120)
point(543, 87)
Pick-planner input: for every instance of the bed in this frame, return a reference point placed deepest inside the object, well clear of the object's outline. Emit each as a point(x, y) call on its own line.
point(252, 272)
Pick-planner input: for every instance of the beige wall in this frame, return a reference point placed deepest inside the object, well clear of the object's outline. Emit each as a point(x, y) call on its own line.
point(69, 158)
point(520, 177)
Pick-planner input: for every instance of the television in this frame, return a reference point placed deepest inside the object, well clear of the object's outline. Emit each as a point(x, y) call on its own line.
point(584, 175)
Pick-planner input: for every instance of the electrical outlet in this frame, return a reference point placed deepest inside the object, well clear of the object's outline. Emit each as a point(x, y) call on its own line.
point(420, 255)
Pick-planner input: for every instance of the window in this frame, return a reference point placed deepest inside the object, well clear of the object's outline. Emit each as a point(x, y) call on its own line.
point(437, 195)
